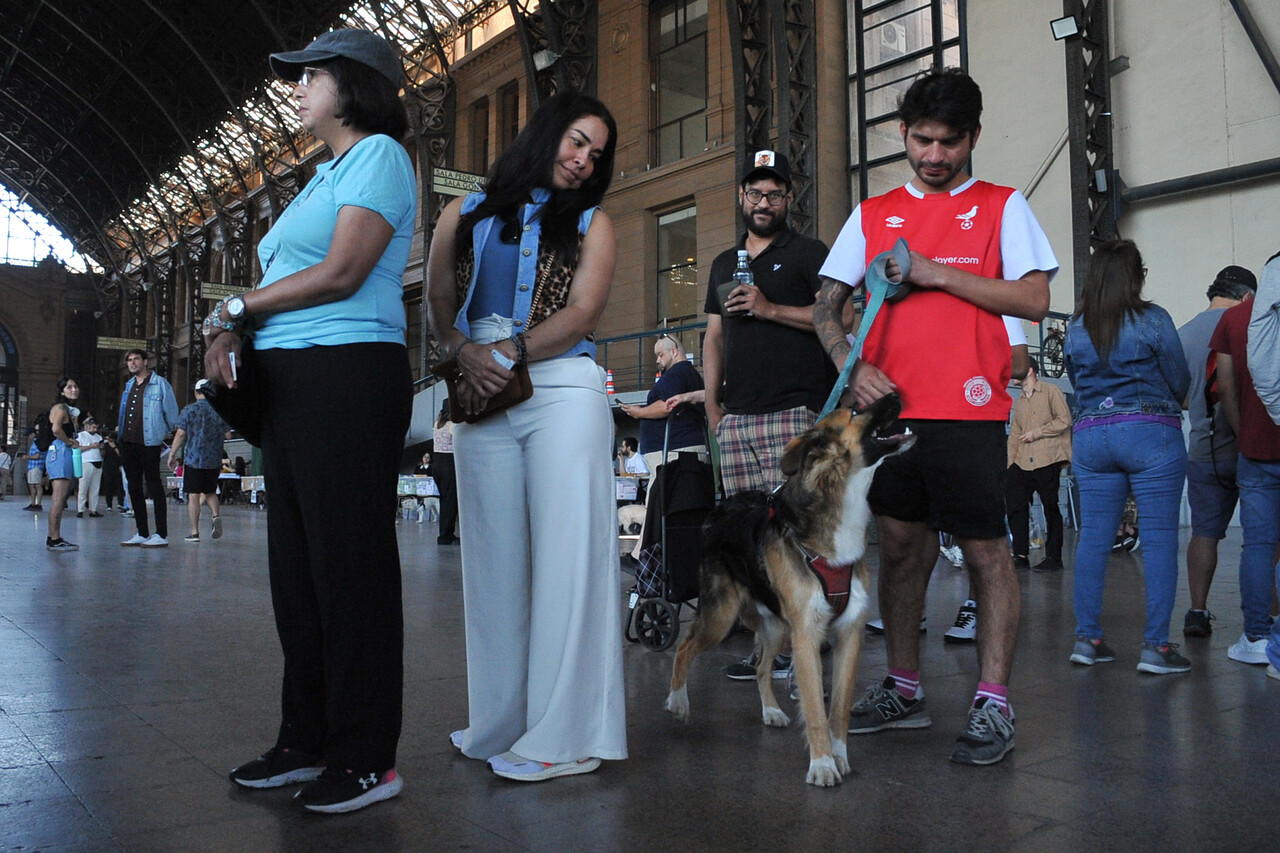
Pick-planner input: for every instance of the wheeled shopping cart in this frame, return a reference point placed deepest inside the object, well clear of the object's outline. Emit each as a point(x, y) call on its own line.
point(682, 493)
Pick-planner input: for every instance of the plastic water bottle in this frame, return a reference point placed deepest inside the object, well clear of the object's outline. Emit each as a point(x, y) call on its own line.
point(743, 275)
point(77, 462)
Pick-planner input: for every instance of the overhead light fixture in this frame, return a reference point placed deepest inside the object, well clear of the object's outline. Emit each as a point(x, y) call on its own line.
point(1064, 28)
point(544, 59)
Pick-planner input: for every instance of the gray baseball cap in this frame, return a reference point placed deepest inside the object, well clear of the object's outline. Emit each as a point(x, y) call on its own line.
point(361, 45)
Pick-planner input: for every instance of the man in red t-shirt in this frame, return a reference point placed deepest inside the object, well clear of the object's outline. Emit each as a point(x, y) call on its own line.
point(1257, 477)
point(977, 252)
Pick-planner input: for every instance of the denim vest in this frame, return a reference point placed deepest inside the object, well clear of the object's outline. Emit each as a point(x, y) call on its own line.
point(527, 273)
point(1145, 373)
point(159, 409)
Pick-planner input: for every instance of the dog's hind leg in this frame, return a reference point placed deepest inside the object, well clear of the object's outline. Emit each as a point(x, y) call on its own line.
point(844, 668)
point(719, 605)
point(770, 634)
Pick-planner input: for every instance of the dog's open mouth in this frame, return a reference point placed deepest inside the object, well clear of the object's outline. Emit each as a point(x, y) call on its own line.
point(893, 436)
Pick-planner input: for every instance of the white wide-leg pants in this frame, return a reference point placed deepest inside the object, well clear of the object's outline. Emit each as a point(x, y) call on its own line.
point(541, 585)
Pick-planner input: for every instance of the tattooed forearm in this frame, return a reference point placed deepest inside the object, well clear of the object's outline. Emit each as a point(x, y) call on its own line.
point(828, 308)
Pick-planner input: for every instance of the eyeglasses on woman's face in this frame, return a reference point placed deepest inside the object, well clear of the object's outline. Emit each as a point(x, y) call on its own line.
point(308, 75)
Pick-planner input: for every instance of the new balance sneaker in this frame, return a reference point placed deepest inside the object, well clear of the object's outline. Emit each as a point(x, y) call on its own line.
point(1089, 651)
point(988, 737)
point(1162, 659)
point(1196, 623)
point(876, 626)
point(885, 708)
point(155, 540)
point(134, 540)
point(277, 767)
point(60, 544)
point(745, 670)
point(965, 630)
point(512, 766)
point(217, 527)
point(337, 791)
point(1249, 650)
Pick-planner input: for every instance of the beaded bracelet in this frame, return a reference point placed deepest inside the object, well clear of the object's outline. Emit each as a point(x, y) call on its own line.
point(522, 349)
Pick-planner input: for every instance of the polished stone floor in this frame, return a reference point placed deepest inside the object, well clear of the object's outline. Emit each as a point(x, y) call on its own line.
point(131, 680)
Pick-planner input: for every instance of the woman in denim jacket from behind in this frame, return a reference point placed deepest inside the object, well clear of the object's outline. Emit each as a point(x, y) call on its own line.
point(1130, 378)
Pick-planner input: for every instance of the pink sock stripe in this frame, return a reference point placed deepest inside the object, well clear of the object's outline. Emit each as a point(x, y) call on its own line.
point(906, 680)
point(998, 693)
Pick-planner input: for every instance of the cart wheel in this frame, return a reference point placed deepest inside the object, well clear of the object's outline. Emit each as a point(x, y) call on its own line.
point(657, 624)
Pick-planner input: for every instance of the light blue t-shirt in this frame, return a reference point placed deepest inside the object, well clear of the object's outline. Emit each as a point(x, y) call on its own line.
point(375, 174)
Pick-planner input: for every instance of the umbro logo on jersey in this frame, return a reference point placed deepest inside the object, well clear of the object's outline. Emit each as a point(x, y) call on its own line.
point(966, 219)
point(894, 221)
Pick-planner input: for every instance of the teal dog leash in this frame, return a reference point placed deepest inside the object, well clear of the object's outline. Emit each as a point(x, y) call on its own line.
point(879, 290)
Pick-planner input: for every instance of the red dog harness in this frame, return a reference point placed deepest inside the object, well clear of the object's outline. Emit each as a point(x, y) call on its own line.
point(836, 580)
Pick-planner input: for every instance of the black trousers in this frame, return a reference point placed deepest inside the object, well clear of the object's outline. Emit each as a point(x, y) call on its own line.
point(447, 482)
point(336, 416)
point(142, 463)
point(1019, 485)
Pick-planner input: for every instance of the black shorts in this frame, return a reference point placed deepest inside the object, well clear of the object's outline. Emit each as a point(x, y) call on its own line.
point(952, 480)
point(200, 481)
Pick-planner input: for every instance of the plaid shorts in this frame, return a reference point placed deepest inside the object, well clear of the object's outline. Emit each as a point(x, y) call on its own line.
point(751, 447)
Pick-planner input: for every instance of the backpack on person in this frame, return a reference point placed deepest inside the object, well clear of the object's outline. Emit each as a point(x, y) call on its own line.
point(44, 432)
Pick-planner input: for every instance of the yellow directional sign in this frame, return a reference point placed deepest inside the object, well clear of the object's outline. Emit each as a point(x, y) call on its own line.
point(121, 343)
point(449, 182)
point(217, 290)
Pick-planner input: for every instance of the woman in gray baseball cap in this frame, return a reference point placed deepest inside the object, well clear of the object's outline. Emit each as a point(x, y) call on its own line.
point(328, 328)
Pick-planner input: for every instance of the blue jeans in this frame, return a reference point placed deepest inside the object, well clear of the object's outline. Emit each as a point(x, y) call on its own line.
point(1110, 461)
point(1259, 484)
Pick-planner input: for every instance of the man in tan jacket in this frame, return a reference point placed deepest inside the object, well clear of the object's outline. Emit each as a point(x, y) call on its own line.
point(1039, 445)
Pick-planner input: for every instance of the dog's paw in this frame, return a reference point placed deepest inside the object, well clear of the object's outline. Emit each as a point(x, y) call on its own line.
point(823, 772)
point(678, 704)
point(775, 717)
point(840, 752)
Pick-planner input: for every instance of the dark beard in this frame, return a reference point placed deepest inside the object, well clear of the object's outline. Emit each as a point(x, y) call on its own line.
point(775, 225)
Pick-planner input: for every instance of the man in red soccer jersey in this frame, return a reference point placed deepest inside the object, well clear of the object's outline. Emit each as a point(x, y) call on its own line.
point(977, 252)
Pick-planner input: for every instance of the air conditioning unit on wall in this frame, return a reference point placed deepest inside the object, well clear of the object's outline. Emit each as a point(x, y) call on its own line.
point(893, 36)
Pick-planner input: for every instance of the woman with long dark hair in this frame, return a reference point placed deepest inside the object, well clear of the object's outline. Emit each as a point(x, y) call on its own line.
point(1125, 361)
point(442, 471)
point(521, 274)
point(329, 348)
point(59, 462)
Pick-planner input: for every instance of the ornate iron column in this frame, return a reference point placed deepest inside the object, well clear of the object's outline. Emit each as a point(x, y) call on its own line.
point(558, 41)
point(1093, 178)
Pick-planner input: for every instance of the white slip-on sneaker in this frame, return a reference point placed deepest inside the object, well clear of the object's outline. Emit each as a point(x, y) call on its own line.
point(134, 540)
point(155, 540)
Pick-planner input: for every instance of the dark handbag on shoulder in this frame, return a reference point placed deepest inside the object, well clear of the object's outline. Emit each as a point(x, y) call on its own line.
point(519, 389)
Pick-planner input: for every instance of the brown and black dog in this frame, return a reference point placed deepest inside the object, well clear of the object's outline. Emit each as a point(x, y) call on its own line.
point(768, 560)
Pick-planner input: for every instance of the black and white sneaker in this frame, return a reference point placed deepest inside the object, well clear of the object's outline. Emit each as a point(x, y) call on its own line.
point(277, 767)
point(336, 791)
point(965, 630)
point(60, 545)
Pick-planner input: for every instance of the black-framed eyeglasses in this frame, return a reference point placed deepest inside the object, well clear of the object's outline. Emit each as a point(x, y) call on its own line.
point(775, 197)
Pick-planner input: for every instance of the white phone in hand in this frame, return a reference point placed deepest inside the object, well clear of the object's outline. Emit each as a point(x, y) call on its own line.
point(502, 359)
point(231, 357)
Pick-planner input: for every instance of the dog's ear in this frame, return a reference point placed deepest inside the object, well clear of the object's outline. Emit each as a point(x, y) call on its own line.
point(799, 448)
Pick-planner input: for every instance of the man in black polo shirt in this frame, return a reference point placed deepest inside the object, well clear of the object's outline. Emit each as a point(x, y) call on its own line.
point(766, 374)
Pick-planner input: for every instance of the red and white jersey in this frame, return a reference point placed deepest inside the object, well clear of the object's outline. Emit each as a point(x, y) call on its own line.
point(948, 357)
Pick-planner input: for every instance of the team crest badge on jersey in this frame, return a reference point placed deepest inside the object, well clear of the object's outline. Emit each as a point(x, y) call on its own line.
point(977, 391)
point(966, 219)
point(894, 221)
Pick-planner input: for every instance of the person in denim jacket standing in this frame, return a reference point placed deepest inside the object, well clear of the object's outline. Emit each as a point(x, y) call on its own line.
point(148, 413)
point(1126, 363)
